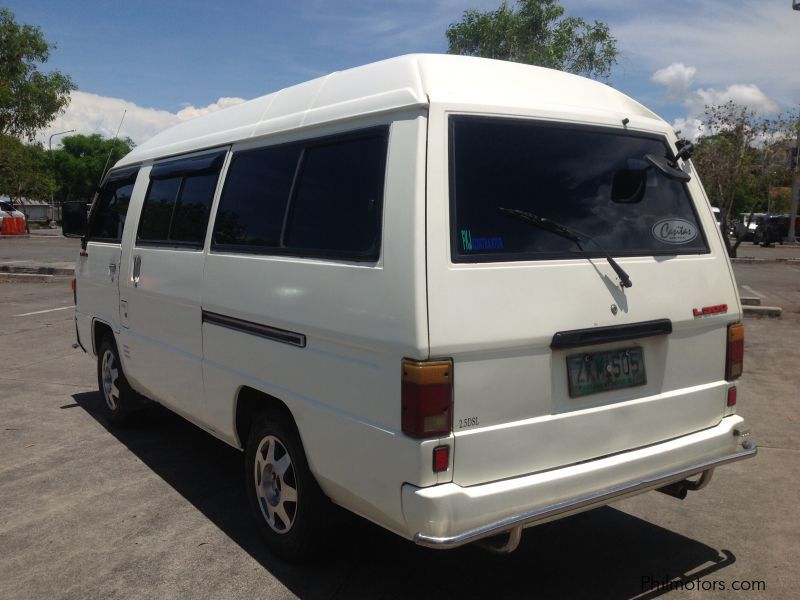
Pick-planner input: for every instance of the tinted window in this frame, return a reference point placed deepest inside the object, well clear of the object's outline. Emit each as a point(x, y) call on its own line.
point(178, 202)
point(318, 197)
point(190, 218)
point(564, 174)
point(110, 208)
point(253, 202)
point(336, 208)
point(157, 209)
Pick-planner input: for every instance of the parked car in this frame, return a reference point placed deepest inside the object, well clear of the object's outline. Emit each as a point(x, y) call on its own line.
point(774, 228)
point(749, 223)
point(455, 296)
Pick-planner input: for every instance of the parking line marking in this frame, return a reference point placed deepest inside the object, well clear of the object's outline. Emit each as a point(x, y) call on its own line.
point(752, 291)
point(41, 312)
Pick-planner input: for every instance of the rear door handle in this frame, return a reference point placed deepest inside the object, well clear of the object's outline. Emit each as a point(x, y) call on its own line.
point(112, 270)
point(137, 269)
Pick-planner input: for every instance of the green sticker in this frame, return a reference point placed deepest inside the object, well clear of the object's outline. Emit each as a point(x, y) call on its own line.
point(466, 239)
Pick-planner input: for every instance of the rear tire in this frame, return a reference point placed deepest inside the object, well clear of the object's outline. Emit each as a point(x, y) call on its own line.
point(288, 505)
point(118, 399)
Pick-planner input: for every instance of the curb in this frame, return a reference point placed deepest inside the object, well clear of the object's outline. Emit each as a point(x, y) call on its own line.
point(750, 260)
point(25, 278)
point(59, 271)
point(14, 236)
point(759, 312)
point(750, 300)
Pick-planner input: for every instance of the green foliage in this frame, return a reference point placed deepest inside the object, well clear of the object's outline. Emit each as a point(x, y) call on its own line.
point(536, 32)
point(741, 157)
point(81, 162)
point(23, 170)
point(29, 99)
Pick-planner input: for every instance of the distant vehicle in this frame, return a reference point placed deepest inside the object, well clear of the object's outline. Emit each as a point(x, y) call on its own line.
point(749, 223)
point(773, 229)
point(7, 210)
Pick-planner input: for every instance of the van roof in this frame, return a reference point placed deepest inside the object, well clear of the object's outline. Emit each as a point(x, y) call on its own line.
point(414, 80)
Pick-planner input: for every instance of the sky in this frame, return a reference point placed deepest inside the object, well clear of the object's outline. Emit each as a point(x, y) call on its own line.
point(170, 60)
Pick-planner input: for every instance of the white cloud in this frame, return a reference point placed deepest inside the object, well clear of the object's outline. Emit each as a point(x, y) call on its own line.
point(677, 77)
point(190, 112)
point(726, 40)
point(89, 113)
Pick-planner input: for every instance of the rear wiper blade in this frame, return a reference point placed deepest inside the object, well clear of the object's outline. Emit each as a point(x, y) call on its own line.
point(573, 236)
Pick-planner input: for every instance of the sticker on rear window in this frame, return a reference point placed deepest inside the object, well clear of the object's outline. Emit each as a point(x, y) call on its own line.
point(470, 243)
point(674, 231)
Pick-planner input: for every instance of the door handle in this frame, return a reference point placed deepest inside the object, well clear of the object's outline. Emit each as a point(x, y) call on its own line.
point(137, 269)
point(112, 270)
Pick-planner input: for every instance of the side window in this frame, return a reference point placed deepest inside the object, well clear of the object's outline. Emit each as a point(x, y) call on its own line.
point(111, 207)
point(178, 202)
point(312, 198)
point(253, 203)
point(336, 206)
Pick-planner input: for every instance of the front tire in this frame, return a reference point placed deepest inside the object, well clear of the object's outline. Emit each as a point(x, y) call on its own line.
point(118, 401)
point(290, 509)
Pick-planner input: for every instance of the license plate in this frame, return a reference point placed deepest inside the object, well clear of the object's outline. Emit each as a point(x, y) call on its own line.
point(595, 372)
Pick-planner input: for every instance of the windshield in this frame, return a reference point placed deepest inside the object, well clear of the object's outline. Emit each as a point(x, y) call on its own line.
point(564, 174)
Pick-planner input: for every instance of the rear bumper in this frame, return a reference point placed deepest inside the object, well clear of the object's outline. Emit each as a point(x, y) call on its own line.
point(448, 515)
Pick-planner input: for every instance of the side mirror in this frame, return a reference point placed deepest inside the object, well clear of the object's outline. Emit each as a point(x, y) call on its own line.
point(628, 186)
point(74, 219)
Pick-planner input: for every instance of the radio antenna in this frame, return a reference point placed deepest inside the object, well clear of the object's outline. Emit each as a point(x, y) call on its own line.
point(108, 158)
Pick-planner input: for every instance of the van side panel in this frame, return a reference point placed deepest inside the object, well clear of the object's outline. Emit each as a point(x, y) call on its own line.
point(359, 320)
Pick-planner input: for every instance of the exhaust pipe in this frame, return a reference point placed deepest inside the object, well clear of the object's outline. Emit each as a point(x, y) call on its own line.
point(680, 489)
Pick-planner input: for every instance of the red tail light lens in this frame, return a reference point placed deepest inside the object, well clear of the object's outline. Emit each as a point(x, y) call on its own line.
point(427, 398)
point(732, 396)
point(734, 361)
point(441, 459)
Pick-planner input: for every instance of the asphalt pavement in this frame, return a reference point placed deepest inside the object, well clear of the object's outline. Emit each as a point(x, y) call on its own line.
point(158, 510)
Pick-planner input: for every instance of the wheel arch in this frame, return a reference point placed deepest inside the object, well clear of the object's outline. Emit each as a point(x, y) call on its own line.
point(99, 330)
point(250, 403)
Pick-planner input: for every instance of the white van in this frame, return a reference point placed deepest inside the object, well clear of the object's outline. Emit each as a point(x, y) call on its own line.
point(456, 296)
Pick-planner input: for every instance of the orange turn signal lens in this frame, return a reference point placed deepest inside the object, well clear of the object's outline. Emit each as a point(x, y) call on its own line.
point(426, 398)
point(734, 360)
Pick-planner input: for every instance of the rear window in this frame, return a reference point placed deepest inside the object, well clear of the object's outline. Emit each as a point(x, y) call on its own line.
point(563, 174)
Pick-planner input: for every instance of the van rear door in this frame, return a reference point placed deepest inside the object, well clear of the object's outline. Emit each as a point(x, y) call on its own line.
point(555, 360)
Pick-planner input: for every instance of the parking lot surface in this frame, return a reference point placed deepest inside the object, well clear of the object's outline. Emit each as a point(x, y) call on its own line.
point(158, 510)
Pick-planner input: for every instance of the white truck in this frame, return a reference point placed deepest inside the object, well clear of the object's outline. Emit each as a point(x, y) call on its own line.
point(456, 296)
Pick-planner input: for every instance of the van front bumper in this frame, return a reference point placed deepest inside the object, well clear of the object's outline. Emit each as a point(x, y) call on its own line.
point(448, 515)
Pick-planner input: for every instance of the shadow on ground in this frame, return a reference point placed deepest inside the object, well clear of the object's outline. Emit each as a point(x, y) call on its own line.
point(604, 553)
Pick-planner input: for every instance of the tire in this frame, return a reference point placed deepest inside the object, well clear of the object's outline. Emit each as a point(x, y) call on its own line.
point(288, 505)
point(118, 399)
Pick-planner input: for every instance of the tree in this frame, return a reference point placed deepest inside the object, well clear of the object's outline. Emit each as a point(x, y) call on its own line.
point(536, 33)
point(23, 170)
point(741, 157)
point(81, 162)
point(29, 98)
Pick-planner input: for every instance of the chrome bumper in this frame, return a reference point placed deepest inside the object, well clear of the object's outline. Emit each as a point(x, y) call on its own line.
point(514, 524)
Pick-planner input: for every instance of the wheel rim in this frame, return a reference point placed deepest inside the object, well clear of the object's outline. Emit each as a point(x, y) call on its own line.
point(110, 375)
point(276, 486)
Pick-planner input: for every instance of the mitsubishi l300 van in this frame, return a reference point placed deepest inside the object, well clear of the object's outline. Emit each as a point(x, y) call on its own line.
point(456, 296)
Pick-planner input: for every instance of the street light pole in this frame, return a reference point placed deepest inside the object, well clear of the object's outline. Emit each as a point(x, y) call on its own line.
point(50, 155)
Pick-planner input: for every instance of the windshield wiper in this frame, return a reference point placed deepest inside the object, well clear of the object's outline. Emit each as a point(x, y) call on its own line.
point(573, 236)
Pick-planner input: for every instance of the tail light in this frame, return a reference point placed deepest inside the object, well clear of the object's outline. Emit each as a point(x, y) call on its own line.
point(75, 291)
point(734, 361)
point(427, 398)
